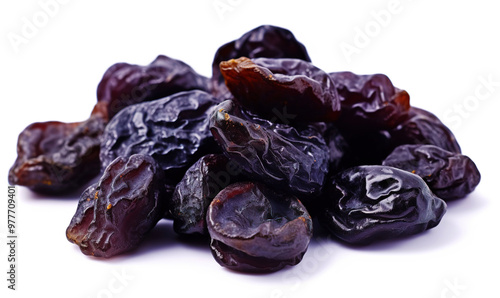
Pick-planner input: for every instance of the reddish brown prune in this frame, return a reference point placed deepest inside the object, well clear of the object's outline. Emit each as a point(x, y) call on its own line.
point(263, 41)
point(423, 127)
point(366, 204)
point(273, 87)
point(125, 84)
point(201, 183)
point(115, 214)
point(173, 130)
point(293, 158)
point(255, 229)
point(369, 102)
point(448, 174)
point(56, 157)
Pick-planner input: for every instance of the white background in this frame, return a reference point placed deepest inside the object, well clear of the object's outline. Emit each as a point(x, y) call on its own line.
point(441, 52)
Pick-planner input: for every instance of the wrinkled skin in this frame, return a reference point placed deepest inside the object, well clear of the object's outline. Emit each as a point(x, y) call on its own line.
point(173, 130)
point(423, 127)
point(369, 102)
point(272, 87)
point(56, 157)
point(295, 159)
point(255, 229)
point(263, 41)
point(449, 175)
point(366, 204)
point(201, 183)
point(126, 84)
point(115, 214)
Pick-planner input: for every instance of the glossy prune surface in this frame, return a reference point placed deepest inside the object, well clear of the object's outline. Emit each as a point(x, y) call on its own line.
point(173, 130)
point(448, 174)
point(201, 183)
point(263, 41)
point(126, 84)
point(369, 102)
point(267, 86)
point(366, 204)
point(115, 214)
point(56, 157)
point(423, 127)
point(256, 229)
point(295, 159)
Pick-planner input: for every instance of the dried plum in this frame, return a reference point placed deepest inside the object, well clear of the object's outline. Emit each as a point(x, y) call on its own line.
point(125, 84)
point(255, 229)
point(366, 204)
point(173, 130)
point(280, 155)
point(56, 157)
point(269, 87)
point(448, 174)
point(263, 41)
point(369, 102)
point(201, 183)
point(115, 214)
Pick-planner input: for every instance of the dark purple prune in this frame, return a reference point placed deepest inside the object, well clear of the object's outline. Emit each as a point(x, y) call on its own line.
point(340, 152)
point(115, 214)
point(173, 130)
point(280, 155)
point(125, 84)
point(369, 102)
point(263, 41)
point(268, 87)
point(56, 157)
point(255, 229)
point(365, 204)
point(423, 127)
point(201, 183)
point(448, 174)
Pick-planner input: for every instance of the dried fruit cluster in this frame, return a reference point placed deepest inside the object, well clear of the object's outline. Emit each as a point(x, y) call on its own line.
point(248, 157)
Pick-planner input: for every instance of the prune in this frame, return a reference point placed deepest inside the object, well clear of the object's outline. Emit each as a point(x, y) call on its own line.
point(173, 130)
point(295, 159)
point(255, 229)
point(369, 102)
point(448, 174)
point(340, 152)
point(423, 127)
point(263, 41)
point(201, 183)
point(56, 157)
point(115, 214)
point(365, 204)
point(267, 86)
point(125, 84)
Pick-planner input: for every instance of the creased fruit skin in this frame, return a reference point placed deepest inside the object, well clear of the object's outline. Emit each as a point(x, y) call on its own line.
point(56, 157)
point(126, 84)
point(201, 183)
point(366, 204)
point(255, 229)
point(263, 41)
point(369, 102)
point(115, 214)
point(173, 130)
point(271, 87)
point(295, 159)
point(423, 127)
point(449, 175)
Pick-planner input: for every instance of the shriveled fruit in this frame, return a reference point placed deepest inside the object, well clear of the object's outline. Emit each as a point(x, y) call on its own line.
point(201, 183)
point(115, 214)
point(56, 157)
point(448, 174)
point(255, 229)
point(273, 87)
point(366, 204)
point(294, 159)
